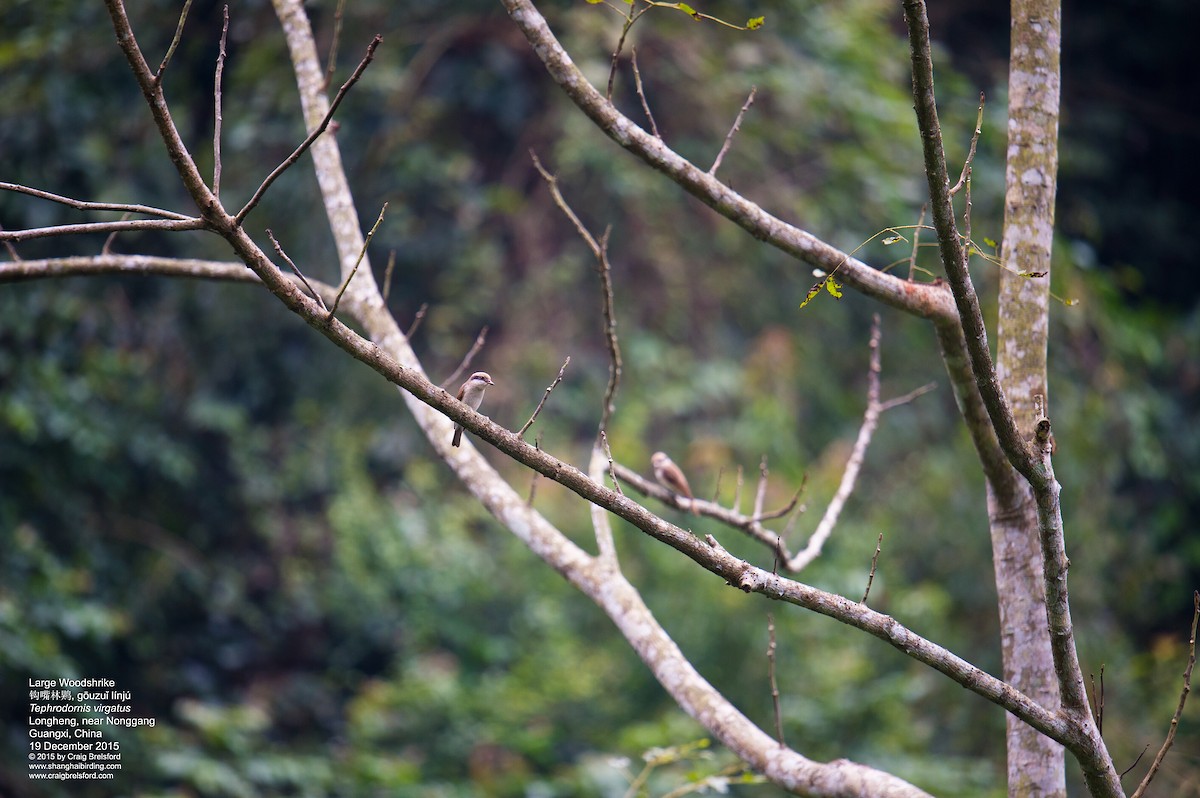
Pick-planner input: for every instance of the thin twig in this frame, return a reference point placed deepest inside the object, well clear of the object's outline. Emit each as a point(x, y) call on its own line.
point(784, 510)
point(737, 490)
point(1187, 688)
point(171, 225)
point(416, 322)
point(750, 524)
point(466, 361)
point(599, 250)
point(774, 682)
point(630, 19)
point(333, 47)
point(853, 465)
point(1098, 701)
point(966, 170)
point(12, 251)
point(912, 261)
point(387, 275)
point(537, 444)
point(174, 43)
point(737, 125)
point(641, 92)
point(108, 242)
point(552, 182)
point(908, 397)
point(717, 489)
point(217, 118)
point(610, 331)
point(295, 269)
point(612, 472)
point(317, 131)
point(967, 213)
point(83, 205)
point(545, 396)
point(362, 253)
point(874, 564)
point(1135, 762)
point(760, 495)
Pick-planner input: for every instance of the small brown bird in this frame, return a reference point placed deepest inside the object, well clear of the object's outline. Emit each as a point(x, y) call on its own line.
point(670, 476)
point(471, 394)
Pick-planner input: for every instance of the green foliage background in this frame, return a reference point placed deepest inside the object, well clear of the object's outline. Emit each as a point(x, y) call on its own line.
point(204, 501)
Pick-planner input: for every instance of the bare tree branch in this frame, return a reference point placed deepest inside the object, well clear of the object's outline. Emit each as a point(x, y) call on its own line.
point(361, 254)
point(545, 396)
point(338, 16)
point(601, 526)
point(953, 255)
point(81, 205)
point(966, 170)
point(108, 242)
point(417, 319)
point(771, 651)
point(874, 564)
point(467, 358)
point(140, 265)
point(1034, 465)
point(737, 125)
point(599, 249)
point(12, 251)
point(850, 475)
point(174, 43)
point(295, 269)
point(387, 279)
point(1183, 695)
point(167, 225)
point(925, 300)
point(217, 116)
point(641, 92)
point(760, 495)
point(317, 131)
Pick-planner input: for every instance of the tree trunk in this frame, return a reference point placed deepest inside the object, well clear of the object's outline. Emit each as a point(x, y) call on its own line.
point(1035, 763)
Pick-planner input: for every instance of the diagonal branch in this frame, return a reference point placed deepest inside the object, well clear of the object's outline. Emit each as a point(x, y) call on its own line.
point(829, 520)
point(317, 131)
point(1183, 695)
point(599, 250)
point(737, 125)
point(926, 300)
point(954, 258)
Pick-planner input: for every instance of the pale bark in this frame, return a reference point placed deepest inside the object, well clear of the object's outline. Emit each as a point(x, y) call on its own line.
point(1029, 457)
point(1036, 766)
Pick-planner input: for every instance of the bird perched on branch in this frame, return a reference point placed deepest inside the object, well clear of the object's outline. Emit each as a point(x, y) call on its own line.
point(671, 477)
point(471, 394)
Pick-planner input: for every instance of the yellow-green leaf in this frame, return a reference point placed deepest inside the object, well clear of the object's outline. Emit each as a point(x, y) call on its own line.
point(812, 292)
point(754, 23)
point(833, 288)
point(887, 242)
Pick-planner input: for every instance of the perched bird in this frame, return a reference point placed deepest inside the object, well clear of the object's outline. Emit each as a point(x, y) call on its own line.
point(670, 477)
point(471, 394)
